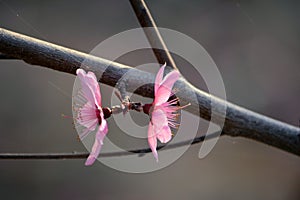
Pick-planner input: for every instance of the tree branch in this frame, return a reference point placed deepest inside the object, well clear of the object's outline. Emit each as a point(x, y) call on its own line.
point(143, 14)
point(81, 155)
point(239, 121)
point(5, 57)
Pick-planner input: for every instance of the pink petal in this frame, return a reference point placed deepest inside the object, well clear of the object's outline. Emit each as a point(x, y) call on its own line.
point(87, 93)
point(103, 126)
point(164, 135)
point(102, 131)
point(86, 115)
point(159, 119)
point(152, 141)
point(159, 78)
point(90, 86)
point(164, 91)
point(160, 123)
point(90, 160)
point(95, 87)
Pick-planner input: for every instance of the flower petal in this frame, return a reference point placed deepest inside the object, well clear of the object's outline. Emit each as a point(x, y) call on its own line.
point(164, 135)
point(164, 91)
point(90, 86)
point(102, 131)
point(94, 87)
point(86, 115)
point(160, 124)
point(87, 93)
point(152, 141)
point(159, 119)
point(159, 78)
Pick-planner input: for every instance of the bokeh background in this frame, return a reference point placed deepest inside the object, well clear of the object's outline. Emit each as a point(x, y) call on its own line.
point(255, 44)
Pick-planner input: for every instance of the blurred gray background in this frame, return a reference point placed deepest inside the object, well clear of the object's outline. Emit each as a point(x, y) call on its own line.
point(255, 44)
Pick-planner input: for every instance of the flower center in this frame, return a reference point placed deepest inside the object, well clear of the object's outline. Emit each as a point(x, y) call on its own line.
point(146, 108)
point(98, 115)
point(106, 112)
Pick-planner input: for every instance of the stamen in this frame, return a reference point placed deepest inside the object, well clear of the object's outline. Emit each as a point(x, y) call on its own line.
point(181, 107)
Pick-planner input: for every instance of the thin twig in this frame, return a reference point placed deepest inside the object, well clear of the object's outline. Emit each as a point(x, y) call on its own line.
point(43, 156)
point(143, 14)
point(238, 122)
point(82, 155)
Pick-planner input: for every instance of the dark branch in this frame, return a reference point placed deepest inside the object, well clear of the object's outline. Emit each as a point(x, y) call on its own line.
point(82, 155)
point(43, 156)
point(155, 39)
point(239, 121)
point(5, 57)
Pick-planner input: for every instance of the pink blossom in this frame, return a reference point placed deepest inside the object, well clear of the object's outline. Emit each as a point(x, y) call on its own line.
point(163, 113)
point(89, 113)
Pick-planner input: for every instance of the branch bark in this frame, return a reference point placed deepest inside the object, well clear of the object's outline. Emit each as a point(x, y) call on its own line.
point(239, 121)
point(81, 155)
point(145, 18)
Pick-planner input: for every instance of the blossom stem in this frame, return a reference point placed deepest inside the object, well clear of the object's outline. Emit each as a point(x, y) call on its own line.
point(123, 108)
